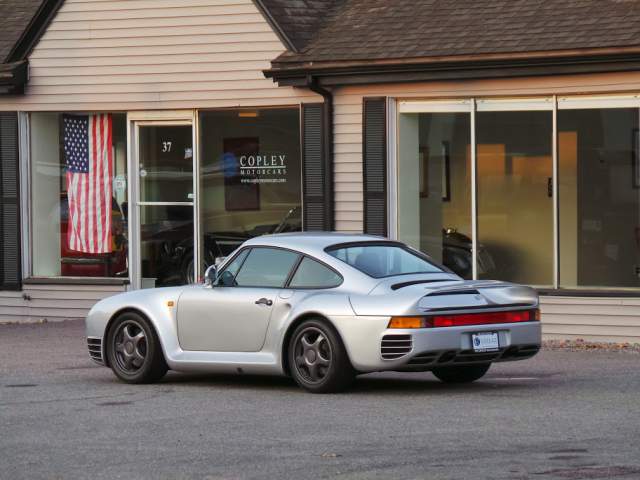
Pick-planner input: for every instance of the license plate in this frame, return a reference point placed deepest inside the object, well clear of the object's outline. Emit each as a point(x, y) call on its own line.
point(485, 342)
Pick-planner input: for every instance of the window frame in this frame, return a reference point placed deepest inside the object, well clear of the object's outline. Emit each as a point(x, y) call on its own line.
point(25, 137)
point(473, 104)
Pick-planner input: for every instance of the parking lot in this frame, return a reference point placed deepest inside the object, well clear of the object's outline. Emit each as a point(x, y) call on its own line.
point(564, 415)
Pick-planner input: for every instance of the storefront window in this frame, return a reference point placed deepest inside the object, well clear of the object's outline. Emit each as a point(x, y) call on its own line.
point(79, 195)
point(434, 198)
point(515, 196)
point(250, 177)
point(599, 196)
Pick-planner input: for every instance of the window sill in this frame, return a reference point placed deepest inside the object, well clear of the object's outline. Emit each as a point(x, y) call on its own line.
point(566, 292)
point(75, 281)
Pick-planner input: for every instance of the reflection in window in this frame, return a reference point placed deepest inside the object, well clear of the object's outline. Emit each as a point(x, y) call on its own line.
point(79, 201)
point(383, 260)
point(250, 176)
point(599, 196)
point(434, 194)
point(515, 201)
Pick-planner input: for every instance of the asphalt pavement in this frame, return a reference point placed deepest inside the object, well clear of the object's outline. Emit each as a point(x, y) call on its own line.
point(561, 415)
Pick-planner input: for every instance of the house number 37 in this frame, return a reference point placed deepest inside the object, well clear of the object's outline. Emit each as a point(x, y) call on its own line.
point(166, 147)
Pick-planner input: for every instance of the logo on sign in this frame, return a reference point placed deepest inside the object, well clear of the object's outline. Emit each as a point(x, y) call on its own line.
point(263, 168)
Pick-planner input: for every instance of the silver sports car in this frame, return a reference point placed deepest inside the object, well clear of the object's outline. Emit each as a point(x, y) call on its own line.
point(321, 308)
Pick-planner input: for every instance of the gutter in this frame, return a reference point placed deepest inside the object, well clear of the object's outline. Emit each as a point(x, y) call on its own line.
point(327, 147)
point(402, 71)
point(13, 77)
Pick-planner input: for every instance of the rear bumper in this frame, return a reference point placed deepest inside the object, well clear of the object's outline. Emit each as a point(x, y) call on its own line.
point(428, 348)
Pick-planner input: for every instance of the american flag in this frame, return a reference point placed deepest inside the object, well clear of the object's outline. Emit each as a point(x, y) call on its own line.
point(89, 162)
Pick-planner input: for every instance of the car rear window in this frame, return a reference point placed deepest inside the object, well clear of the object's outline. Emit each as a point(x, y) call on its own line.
point(383, 260)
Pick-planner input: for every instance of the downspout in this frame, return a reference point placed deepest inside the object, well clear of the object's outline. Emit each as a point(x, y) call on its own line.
point(327, 148)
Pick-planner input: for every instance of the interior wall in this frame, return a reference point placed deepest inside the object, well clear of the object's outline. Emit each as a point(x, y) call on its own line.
point(408, 180)
point(45, 198)
point(568, 198)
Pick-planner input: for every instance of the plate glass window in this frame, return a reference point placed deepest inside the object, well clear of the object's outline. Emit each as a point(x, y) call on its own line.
point(599, 197)
point(250, 177)
point(434, 198)
point(79, 204)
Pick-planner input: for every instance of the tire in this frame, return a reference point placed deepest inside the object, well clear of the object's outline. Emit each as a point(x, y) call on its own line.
point(134, 351)
point(461, 374)
point(317, 358)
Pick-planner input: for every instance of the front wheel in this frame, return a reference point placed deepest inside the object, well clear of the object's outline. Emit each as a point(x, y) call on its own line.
point(134, 351)
point(317, 358)
point(461, 374)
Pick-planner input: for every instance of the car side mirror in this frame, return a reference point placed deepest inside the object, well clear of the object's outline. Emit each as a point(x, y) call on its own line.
point(211, 275)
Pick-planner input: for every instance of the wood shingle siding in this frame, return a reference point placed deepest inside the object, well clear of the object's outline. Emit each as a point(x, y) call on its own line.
point(154, 54)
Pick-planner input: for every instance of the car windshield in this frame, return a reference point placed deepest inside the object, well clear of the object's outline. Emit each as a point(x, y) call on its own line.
point(383, 260)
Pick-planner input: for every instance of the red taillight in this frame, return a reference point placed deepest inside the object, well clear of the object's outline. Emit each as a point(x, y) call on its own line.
point(483, 318)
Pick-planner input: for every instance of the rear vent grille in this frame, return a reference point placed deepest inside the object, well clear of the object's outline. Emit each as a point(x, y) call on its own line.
point(395, 346)
point(95, 349)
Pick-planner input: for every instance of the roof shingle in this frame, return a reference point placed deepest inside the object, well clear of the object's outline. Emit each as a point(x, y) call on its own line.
point(299, 19)
point(361, 30)
point(15, 16)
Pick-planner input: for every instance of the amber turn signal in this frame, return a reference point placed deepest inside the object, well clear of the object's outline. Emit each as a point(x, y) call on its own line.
point(407, 322)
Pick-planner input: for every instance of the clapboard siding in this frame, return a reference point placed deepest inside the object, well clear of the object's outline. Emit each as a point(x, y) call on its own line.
point(52, 302)
point(154, 54)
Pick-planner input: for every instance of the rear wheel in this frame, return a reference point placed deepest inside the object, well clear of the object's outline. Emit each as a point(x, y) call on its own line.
point(134, 351)
point(461, 374)
point(317, 358)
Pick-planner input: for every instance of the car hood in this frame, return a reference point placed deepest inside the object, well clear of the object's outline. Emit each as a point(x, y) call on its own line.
point(440, 293)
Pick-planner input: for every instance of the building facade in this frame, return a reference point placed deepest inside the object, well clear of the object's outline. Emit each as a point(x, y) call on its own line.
point(225, 119)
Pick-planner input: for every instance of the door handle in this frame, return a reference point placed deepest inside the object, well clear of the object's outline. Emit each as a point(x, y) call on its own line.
point(264, 301)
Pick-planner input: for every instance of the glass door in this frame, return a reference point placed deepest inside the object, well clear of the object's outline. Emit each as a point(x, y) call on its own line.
point(165, 201)
point(514, 149)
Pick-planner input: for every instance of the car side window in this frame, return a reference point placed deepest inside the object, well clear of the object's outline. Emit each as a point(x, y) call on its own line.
point(312, 274)
point(232, 269)
point(266, 267)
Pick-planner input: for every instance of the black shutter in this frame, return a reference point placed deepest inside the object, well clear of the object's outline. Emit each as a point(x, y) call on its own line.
point(374, 159)
point(317, 207)
point(10, 275)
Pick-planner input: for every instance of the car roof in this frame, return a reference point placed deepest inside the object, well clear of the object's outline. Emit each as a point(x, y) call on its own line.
point(310, 240)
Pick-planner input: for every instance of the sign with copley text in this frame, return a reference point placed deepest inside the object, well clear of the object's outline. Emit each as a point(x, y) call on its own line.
point(263, 168)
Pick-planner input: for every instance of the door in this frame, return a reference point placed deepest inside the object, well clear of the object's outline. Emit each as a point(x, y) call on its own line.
point(234, 314)
point(165, 203)
point(515, 195)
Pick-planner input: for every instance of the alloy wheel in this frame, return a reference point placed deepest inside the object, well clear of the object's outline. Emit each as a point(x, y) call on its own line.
point(130, 346)
point(313, 355)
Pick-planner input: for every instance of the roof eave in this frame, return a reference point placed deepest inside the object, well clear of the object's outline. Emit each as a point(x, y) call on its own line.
point(275, 26)
point(34, 30)
point(454, 68)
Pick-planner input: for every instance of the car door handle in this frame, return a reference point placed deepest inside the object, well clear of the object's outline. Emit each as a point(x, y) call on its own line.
point(264, 301)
